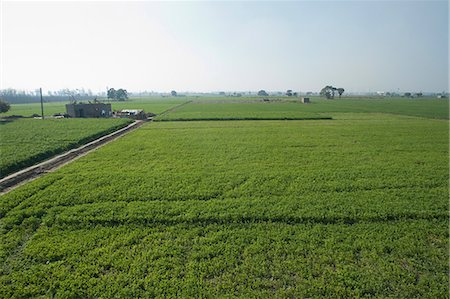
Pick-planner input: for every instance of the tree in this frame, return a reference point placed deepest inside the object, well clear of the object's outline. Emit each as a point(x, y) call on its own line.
point(262, 93)
point(4, 106)
point(112, 93)
point(289, 92)
point(173, 93)
point(333, 90)
point(407, 94)
point(121, 94)
point(328, 92)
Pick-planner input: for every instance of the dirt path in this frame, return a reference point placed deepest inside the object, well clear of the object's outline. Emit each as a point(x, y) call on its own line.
point(21, 177)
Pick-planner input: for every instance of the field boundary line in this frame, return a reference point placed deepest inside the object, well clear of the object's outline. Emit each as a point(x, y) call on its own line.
point(242, 119)
point(28, 174)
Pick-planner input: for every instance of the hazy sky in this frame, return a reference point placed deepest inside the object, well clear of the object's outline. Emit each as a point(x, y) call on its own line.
point(215, 46)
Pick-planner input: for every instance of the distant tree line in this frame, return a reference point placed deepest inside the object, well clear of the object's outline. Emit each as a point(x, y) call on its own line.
point(15, 96)
point(410, 95)
point(289, 93)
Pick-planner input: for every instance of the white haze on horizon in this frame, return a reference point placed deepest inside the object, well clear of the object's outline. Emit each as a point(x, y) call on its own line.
point(225, 46)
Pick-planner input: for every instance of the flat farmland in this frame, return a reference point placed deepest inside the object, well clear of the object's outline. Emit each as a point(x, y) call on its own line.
point(356, 206)
point(422, 107)
point(253, 107)
point(155, 105)
point(30, 109)
point(25, 142)
point(291, 108)
point(247, 109)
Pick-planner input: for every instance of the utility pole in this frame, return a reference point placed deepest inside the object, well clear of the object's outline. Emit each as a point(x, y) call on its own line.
point(42, 104)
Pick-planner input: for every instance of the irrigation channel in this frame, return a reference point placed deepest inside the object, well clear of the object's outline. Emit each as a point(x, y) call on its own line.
point(28, 174)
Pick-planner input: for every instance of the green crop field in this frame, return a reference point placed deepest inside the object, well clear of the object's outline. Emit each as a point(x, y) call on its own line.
point(24, 142)
point(423, 107)
point(30, 109)
point(239, 110)
point(155, 105)
point(253, 107)
point(353, 206)
point(287, 108)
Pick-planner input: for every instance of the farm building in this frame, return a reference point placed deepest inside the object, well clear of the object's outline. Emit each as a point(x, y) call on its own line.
point(305, 100)
point(89, 110)
point(131, 113)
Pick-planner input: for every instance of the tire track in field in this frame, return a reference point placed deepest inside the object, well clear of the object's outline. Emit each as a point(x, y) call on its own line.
point(175, 108)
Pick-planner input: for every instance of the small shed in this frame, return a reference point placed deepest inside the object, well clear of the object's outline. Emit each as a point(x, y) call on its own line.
point(131, 113)
point(305, 100)
point(89, 110)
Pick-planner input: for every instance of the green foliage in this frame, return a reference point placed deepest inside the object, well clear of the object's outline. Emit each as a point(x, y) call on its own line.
point(262, 93)
point(328, 92)
point(4, 106)
point(351, 207)
point(24, 142)
point(119, 95)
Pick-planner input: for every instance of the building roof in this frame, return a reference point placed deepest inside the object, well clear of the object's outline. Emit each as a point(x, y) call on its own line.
point(88, 104)
point(131, 111)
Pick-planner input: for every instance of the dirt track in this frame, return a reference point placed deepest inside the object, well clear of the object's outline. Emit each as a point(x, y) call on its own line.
point(28, 174)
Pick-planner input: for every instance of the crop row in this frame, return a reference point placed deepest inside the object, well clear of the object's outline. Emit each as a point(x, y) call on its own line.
point(246, 260)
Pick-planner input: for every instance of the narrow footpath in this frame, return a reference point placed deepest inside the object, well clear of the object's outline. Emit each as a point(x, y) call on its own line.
point(21, 177)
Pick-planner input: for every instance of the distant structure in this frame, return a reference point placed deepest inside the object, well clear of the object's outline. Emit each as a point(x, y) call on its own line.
point(89, 110)
point(305, 100)
point(131, 113)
